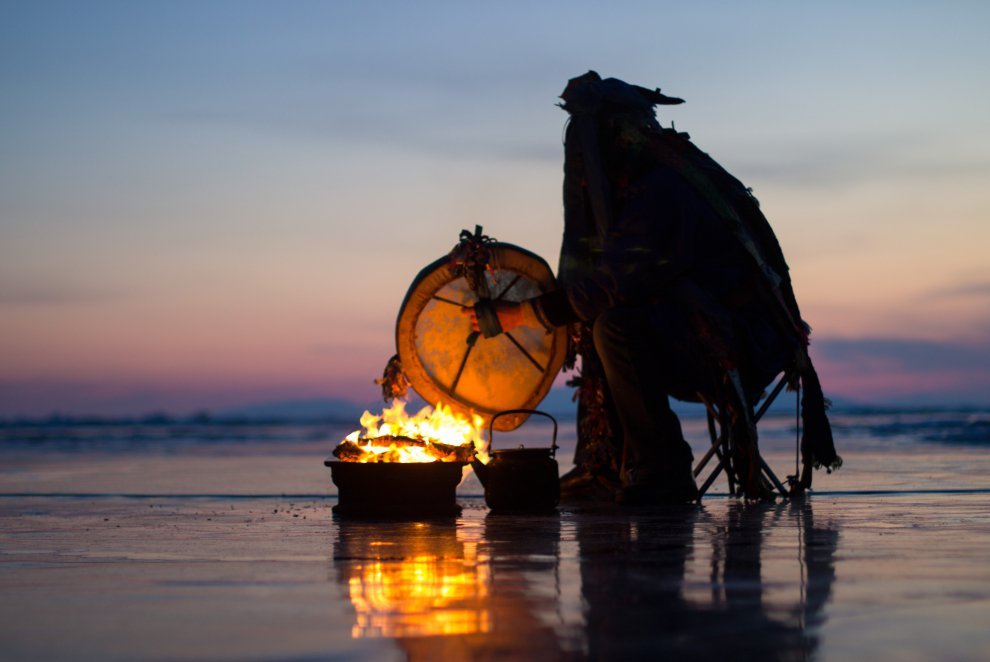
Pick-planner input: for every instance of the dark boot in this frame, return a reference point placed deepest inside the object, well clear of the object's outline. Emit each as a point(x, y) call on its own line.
point(671, 486)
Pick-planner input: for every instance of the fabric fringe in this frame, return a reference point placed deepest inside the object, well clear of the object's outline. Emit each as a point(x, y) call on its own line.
point(816, 440)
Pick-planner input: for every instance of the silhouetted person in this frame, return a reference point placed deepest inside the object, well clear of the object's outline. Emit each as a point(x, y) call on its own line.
point(669, 267)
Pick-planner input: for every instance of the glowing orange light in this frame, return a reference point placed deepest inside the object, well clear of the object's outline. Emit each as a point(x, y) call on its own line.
point(427, 594)
point(386, 437)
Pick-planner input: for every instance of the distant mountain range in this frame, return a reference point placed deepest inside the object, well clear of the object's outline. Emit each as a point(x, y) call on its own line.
point(311, 409)
point(558, 403)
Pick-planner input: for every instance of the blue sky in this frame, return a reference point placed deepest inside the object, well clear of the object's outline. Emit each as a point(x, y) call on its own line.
point(206, 204)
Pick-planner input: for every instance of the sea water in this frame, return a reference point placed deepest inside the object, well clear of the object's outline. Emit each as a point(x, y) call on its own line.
point(882, 450)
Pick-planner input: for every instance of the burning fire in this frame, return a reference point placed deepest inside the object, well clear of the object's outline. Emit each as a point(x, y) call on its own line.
point(431, 435)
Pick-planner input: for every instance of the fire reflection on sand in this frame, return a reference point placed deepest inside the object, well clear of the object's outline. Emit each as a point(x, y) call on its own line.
point(454, 588)
point(417, 580)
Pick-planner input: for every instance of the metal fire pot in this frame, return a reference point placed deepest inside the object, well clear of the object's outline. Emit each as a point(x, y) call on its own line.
point(520, 479)
point(396, 490)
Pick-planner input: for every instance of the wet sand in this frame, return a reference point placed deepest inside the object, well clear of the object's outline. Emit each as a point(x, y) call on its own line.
point(161, 557)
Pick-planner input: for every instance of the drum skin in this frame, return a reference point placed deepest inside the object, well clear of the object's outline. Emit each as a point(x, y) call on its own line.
point(446, 362)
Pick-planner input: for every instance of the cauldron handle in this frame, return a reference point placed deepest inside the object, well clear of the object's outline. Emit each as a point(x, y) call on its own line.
point(491, 427)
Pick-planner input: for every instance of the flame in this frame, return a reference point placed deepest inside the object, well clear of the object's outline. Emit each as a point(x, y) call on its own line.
point(430, 426)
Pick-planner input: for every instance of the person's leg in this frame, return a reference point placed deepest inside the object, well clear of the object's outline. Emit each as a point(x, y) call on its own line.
point(638, 351)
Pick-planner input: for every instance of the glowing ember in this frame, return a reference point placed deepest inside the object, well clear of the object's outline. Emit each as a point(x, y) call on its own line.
point(431, 435)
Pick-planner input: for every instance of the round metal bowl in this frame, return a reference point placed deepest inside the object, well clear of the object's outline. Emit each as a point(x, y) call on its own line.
point(392, 489)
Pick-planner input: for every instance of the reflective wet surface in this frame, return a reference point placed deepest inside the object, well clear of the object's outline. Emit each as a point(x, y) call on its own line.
point(896, 577)
point(694, 583)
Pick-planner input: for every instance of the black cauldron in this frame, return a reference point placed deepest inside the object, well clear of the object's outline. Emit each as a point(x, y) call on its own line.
point(393, 489)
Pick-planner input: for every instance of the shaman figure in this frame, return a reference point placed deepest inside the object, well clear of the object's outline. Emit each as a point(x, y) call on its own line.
point(676, 287)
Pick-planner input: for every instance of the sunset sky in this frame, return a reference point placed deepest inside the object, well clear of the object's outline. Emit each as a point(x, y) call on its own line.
point(210, 204)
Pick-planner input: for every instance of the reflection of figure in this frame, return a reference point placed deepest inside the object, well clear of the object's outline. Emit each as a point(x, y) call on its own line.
point(679, 583)
point(643, 603)
point(631, 575)
point(818, 548)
